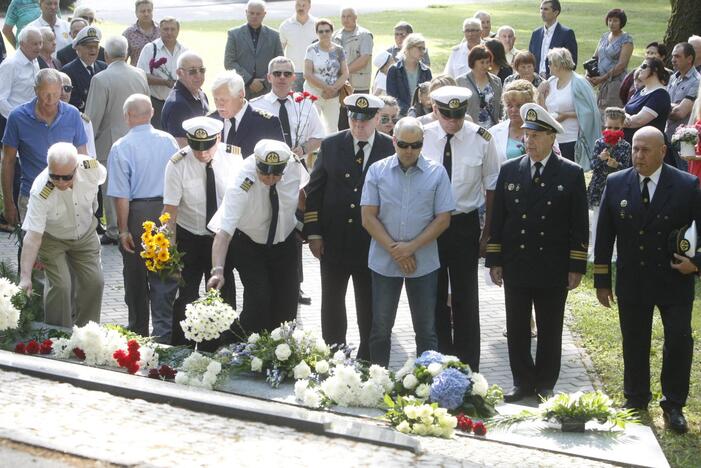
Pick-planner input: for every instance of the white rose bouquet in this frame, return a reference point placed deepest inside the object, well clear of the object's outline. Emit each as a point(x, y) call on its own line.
point(412, 416)
point(11, 304)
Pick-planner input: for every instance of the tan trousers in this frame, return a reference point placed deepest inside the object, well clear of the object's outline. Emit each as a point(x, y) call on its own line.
point(66, 261)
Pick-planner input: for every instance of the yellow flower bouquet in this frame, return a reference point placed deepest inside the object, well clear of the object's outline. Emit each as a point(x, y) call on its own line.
point(160, 254)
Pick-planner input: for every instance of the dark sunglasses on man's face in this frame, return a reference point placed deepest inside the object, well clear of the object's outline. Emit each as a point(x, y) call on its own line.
point(67, 89)
point(195, 71)
point(415, 145)
point(278, 74)
point(67, 178)
point(385, 119)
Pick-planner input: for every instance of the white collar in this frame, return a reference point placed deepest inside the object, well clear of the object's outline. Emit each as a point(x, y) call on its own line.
point(271, 97)
point(551, 28)
point(239, 114)
point(544, 161)
point(370, 140)
point(654, 177)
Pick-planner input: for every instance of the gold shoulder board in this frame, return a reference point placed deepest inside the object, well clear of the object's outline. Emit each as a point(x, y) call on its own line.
point(46, 191)
point(484, 133)
point(90, 163)
point(246, 184)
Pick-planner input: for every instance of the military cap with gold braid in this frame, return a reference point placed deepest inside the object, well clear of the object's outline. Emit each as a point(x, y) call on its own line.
point(202, 132)
point(271, 156)
point(362, 106)
point(451, 101)
point(536, 118)
point(87, 34)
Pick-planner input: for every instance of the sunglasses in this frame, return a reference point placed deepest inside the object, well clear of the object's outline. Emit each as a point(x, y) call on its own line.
point(67, 178)
point(266, 169)
point(385, 119)
point(67, 89)
point(324, 31)
point(195, 71)
point(278, 74)
point(415, 145)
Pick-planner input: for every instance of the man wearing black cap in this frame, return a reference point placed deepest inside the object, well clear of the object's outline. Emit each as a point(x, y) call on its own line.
point(469, 155)
point(648, 209)
point(257, 217)
point(196, 179)
point(332, 221)
point(538, 250)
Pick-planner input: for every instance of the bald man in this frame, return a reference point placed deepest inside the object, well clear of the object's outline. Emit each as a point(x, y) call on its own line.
point(641, 208)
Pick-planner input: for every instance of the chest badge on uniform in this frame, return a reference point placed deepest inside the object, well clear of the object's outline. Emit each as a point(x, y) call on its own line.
point(518, 187)
point(624, 203)
point(510, 187)
point(560, 188)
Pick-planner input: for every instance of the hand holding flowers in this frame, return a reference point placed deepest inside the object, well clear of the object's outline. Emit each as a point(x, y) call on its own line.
point(161, 255)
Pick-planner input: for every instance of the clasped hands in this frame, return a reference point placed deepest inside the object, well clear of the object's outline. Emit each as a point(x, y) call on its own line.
point(403, 254)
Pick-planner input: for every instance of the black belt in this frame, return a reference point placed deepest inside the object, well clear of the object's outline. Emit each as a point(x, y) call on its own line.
point(152, 199)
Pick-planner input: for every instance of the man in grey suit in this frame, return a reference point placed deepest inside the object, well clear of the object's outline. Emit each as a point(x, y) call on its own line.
point(250, 47)
point(104, 107)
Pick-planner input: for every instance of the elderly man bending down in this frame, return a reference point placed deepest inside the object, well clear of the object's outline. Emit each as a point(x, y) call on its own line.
point(60, 229)
point(406, 204)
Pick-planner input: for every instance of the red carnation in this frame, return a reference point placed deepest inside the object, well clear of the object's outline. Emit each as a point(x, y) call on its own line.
point(132, 367)
point(32, 347)
point(167, 372)
point(306, 94)
point(46, 346)
point(464, 423)
point(612, 137)
point(313, 98)
point(153, 374)
point(20, 348)
point(299, 99)
point(79, 353)
point(479, 429)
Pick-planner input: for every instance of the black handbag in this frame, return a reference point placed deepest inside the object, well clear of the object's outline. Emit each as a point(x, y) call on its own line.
point(592, 66)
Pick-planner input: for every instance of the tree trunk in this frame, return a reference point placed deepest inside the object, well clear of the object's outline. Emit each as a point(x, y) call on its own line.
point(684, 21)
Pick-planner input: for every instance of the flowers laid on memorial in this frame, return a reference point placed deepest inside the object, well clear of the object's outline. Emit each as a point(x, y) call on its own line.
point(572, 411)
point(208, 317)
point(34, 347)
point(129, 359)
point(11, 303)
point(279, 353)
point(165, 372)
point(160, 254)
point(412, 415)
point(466, 424)
point(448, 382)
point(198, 371)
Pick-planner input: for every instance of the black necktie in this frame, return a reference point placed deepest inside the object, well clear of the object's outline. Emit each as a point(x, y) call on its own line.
point(646, 192)
point(275, 204)
point(360, 155)
point(285, 121)
point(448, 156)
point(232, 132)
point(536, 174)
point(211, 192)
point(90, 70)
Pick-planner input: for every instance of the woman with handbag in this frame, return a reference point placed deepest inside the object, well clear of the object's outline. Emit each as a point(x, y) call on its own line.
point(608, 66)
point(484, 106)
point(326, 75)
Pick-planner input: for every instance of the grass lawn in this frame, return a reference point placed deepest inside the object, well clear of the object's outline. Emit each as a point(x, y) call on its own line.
point(647, 21)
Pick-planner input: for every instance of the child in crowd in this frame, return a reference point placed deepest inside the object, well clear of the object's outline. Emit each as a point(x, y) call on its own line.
point(382, 62)
point(611, 153)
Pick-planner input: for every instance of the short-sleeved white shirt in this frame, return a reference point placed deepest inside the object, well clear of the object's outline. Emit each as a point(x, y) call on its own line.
point(61, 29)
point(296, 37)
point(305, 122)
point(167, 71)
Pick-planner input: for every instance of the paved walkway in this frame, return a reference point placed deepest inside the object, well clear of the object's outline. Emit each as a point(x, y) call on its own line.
point(494, 362)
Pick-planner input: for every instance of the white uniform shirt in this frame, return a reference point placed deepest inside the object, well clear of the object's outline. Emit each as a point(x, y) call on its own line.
point(247, 207)
point(65, 214)
point(545, 46)
point(295, 37)
point(17, 77)
point(186, 185)
point(170, 67)
point(475, 162)
point(90, 134)
point(457, 61)
point(304, 118)
point(61, 29)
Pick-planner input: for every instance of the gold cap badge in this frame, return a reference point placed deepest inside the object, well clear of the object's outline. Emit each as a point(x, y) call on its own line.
point(201, 133)
point(272, 158)
point(362, 103)
point(454, 103)
point(531, 115)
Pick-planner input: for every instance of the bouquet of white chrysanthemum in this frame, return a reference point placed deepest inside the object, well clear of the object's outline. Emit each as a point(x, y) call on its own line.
point(412, 416)
point(198, 371)
point(208, 317)
point(93, 344)
point(10, 305)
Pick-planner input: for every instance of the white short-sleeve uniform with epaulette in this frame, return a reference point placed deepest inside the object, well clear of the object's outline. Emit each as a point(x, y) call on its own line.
point(247, 207)
point(186, 180)
point(475, 162)
point(65, 214)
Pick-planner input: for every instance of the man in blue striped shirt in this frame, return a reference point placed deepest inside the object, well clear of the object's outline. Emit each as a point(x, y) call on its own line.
point(406, 204)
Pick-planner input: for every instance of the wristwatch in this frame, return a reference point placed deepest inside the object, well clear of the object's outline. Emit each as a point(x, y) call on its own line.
point(214, 270)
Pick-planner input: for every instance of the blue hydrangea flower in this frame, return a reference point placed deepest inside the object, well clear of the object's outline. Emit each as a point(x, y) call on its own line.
point(429, 357)
point(448, 388)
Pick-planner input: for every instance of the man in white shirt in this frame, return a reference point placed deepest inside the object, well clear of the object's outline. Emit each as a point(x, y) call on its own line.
point(507, 36)
point(159, 59)
point(49, 18)
point(551, 35)
point(296, 33)
point(17, 73)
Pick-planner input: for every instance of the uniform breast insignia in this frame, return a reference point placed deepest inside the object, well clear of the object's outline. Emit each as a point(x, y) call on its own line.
point(510, 187)
point(246, 184)
point(85, 117)
point(232, 149)
point(177, 157)
point(265, 114)
point(624, 203)
point(46, 191)
point(90, 164)
point(484, 133)
point(518, 187)
point(560, 188)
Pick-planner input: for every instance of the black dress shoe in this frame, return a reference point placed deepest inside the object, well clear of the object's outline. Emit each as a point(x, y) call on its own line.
point(517, 394)
point(634, 405)
point(545, 393)
point(303, 298)
point(106, 240)
point(674, 420)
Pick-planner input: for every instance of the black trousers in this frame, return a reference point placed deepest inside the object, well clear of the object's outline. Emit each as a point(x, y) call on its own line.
point(270, 282)
point(197, 262)
point(549, 306)
point(458, 326)
point(677, 351)
point(334, 284)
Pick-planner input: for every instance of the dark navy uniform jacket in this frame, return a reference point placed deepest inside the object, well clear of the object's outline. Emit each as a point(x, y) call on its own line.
point(539, 234)
point(643, 271)
point(255, 125)
point(81, 80)
point(333, 197)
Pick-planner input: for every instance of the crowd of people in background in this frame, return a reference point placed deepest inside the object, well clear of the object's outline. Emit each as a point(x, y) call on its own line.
point(304, 142)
